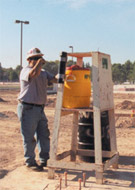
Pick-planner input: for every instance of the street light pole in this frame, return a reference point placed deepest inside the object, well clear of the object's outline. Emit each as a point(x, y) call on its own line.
point(21, 41)
point(72, 51)
point(21, 44)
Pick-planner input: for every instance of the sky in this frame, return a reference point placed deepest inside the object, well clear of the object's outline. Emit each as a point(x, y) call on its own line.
point(107, 26)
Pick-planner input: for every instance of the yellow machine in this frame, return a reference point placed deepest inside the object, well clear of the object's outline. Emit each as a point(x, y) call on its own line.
point(77, 87)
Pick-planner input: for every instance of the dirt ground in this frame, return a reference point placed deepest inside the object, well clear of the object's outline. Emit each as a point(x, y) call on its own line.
point(14, 175)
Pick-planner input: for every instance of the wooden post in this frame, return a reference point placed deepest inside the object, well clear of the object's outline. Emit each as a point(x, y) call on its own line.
point(98, 145)
point(113, 135)
point(102, 100)
point(80, 61)
point(51, 173)
point(112, 130)
point(74, 136)
point(56, 127)
point(99, 177)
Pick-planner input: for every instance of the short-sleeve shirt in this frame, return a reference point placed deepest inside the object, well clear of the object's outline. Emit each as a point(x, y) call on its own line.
point(34, 91)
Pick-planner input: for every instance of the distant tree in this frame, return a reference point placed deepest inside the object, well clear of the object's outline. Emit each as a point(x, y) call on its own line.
point(118, 73)
point(18, 69)
point(9, 73)
point(128, 69)
point(5, 76)
point(13, 76)
point(87, 65)
point(70, 63)
point(51, 66)
point(1, 72)
point(131, 75)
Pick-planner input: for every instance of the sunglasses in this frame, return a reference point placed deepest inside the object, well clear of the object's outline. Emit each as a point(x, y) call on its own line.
point(35, 58)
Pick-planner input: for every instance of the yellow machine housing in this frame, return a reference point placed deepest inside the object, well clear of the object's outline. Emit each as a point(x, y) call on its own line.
point(77, 87)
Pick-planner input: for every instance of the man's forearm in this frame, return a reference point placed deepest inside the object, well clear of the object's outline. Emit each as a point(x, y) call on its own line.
point(37, 68)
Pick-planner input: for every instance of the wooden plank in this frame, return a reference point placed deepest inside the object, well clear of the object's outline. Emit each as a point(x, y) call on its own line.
point(95, 78)
point(81, 54)
point(103, 78)
point(106, 84)
point(79, 61)
point(99, 173)
point(88, 109)
point(97, 136)
point(99, 177)
point(100, 53)
point(112, 131)
point(51, 173)
point(67, 112)
point(82, 152)
point(96, 108)
point(72, 165)
point(56, 126)
point(63, 155)
point(113, 160)
point(105, 154)
point(74, 136)
point(102, 101)
point(64, 113)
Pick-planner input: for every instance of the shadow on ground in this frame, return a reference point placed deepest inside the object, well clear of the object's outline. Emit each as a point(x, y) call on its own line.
point(3, 173)
point(127, 160)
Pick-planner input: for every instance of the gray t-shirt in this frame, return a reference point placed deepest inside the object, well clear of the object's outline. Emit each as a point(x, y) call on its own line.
point(34, 91)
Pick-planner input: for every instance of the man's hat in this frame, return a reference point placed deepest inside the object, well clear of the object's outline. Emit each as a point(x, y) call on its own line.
point(34, 52)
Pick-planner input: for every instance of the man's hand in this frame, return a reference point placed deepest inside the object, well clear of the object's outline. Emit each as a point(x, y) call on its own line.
point(55, 79)
point(41, 60)
point(37, 68)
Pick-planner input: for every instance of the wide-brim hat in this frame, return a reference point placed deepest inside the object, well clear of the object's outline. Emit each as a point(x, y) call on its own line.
point(34, 52)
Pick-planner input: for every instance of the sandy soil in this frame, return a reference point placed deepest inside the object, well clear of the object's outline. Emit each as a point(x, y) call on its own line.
point(14, 175)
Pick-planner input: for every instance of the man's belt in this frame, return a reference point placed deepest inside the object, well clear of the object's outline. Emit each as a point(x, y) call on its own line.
point(36, 105)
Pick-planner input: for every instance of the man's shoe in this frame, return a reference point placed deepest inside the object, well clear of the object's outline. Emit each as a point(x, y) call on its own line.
point(35, 167)
point(44, 164)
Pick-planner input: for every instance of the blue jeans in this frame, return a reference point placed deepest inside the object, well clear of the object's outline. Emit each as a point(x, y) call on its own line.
point(34, 129)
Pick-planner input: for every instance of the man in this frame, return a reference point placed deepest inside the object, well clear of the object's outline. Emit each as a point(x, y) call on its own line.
point(32, 99)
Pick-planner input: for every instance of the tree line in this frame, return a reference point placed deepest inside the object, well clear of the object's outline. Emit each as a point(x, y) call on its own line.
point(123, 72)
point(12, 75)
point(120, 72)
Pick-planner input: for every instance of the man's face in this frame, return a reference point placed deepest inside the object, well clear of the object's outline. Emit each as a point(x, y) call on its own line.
point(33, 60)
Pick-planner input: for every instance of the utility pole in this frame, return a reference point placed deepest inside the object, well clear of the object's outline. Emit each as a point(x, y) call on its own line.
point(21, 39)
